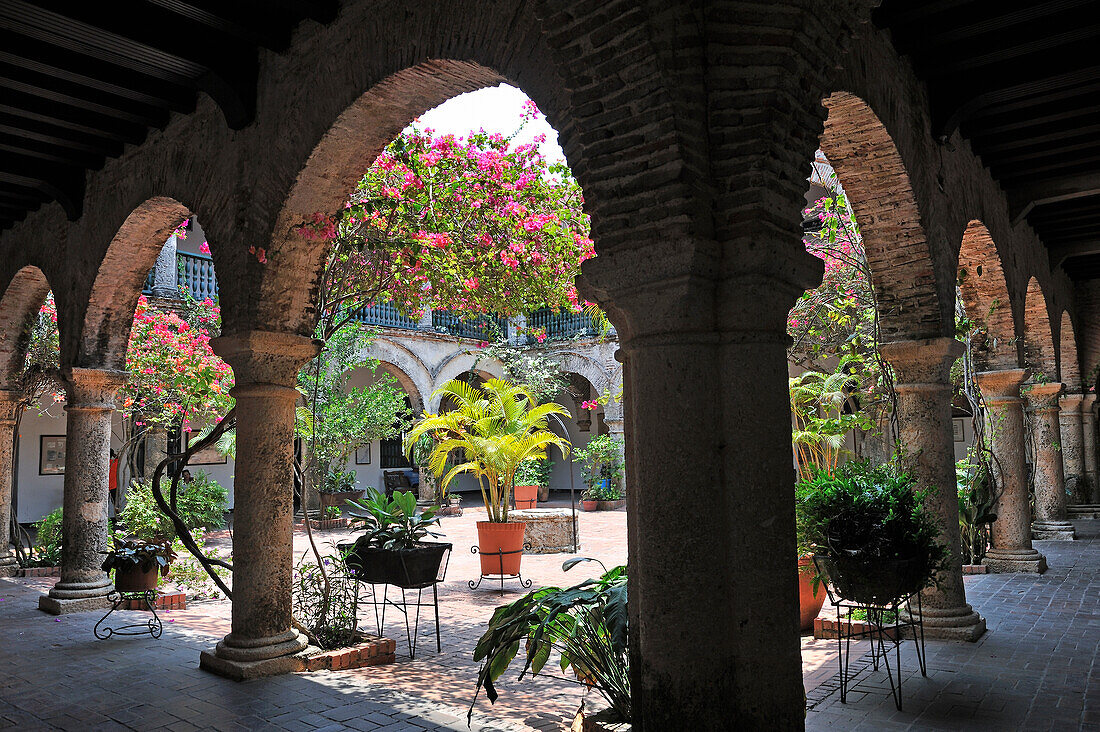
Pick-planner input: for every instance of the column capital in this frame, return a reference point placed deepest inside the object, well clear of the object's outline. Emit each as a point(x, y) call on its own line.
point(265, 357)
point(1071, 403)
point(1043, 397)
point(925, 361)
point(91, 388)
point(1088, 402)
point(1001, 386)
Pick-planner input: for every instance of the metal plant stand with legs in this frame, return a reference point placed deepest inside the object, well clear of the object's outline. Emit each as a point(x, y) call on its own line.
point(153, 626)
point(499, 554)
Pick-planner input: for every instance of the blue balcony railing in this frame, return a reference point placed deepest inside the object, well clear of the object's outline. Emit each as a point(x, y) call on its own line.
point(483, 327)
point(196, 274)
point(385, 315)
point(563, 324)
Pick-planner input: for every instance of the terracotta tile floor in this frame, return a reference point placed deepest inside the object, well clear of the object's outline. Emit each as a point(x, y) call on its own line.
point(1043, 639)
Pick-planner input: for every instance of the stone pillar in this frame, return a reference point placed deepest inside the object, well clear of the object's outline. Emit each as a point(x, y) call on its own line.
point(9, 410)
point(1088, 447)
point(1050, 491)
point(90, 405)
point(166, 271)
point(262, 642)
point(615, 429)
point(426, 321)
point(1011, 550)
point(1073, 458)
point(923, 387)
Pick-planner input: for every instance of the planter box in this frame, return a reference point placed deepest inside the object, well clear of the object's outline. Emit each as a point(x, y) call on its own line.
point(610, 505)
point(164, 601)
point(830, 628)
point(339, 499)
point(38, 572)
point(327, 524)
point(371, 651)
point(407, 568)
point(975, 569)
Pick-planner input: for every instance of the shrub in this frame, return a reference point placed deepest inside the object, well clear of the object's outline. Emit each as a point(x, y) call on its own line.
point(47, 541)
point(200, 503)
point(331, 617)
point(534, 472)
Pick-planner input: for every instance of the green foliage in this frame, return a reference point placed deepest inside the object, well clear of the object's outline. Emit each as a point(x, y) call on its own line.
point(189, 576)
point(338, 481)
point(601, 460)
point(332, 512)
point(395, 523)
point(587, 624)
point(201, 503)
point(977, 504)
point(868, 512)
point(533, 366)
point(326, 607)
point(47, 549)
point(147, 555)
point(826, 407)
point(497, 426)
point(534, 472)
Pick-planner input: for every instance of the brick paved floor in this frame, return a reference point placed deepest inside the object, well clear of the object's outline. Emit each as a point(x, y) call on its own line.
point(55, 675)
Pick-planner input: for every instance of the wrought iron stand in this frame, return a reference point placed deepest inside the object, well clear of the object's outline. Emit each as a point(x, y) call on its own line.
point(152, 626)
point(881, 632)
point(411, 631)
point(501, 575)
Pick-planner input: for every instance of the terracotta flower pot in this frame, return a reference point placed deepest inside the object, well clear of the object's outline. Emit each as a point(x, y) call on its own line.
point(809, 604)
point(493, 538)
point(526, 496)
point(590, 505)
point(133, 579)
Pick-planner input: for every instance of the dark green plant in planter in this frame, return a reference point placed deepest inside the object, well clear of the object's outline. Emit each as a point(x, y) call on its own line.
point(392, 550)
point(869, 531)
point(977, 506)
point(586, 624)
point(137, 563)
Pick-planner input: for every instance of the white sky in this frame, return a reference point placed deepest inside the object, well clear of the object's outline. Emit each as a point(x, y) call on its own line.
point(496, 109)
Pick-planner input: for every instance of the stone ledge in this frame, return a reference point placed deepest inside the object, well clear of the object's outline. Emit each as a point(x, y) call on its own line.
point(55, 606)
point(1084, 511)
point(372, 651)
point(1033, 563)
point(35, 572)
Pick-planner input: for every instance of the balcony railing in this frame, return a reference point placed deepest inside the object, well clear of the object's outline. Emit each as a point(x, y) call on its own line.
point(194, 273)
point(484, 327)
point(385, 315)
point(563, 324)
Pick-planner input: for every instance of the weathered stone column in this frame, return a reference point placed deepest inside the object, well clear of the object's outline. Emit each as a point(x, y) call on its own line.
point(1011, 550)
point(9, 410)
point(615, 429)
point(166, 271)
point(1073, 457)
point(923, 387)
point(1050, 491)
point(1088, 447)
point(262, 642)
point(90, 404)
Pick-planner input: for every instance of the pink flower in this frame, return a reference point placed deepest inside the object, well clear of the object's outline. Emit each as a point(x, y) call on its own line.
point(590, 404)
point(204, 248)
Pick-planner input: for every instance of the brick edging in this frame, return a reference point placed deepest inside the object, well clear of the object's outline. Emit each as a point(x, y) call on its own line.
point(828, 629)
point(326, 524)
point(373, 651)
point(37, 572)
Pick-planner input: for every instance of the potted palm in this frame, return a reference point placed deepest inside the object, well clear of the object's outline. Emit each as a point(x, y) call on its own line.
point(497, 426)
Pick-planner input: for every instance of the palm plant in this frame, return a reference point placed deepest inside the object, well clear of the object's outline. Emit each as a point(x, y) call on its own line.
point(497, 426)
point(820, 404)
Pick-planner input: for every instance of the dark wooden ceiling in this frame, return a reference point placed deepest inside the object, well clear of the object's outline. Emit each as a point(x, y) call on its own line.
point(1021, 81)
point(80, 80)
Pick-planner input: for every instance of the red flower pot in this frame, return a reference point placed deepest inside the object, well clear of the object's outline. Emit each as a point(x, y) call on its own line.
point(590, 505)
point(809, 604)
point(526, 496)
point(494, 538)
point(133, 579)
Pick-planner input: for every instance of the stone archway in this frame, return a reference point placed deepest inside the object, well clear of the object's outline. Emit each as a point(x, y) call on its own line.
point(404, 366)
point(1069, 366)
point(1040, 355)
point(984, 293)
point(21, 301)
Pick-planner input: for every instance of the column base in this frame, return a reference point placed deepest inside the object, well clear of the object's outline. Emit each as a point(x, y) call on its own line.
point(9, 564)
point(253, 658)
point(1004, 561)
point(1052, 530)
point(77, 597)
point(953, 623)
point(1084, 511)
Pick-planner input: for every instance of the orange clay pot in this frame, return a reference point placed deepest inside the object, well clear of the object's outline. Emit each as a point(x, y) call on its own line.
point(493, 538)
point(809, 605)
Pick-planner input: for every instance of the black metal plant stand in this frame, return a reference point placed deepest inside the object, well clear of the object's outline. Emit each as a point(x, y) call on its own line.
point(501, 576)
point(882, 632)
point(153, 626)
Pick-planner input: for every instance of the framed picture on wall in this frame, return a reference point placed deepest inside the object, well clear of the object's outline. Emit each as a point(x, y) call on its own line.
point(362, 454)
point(957, 428)
point(207, 455)
point(51, 457)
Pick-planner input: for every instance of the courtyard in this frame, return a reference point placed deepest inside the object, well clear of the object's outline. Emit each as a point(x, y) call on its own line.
point(1030, 671)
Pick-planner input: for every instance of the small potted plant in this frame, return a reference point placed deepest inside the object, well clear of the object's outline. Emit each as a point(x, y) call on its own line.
point(337, 488)
point(869, 532)
point(602, 471)
point(392, 550)
point(590, 499)
point(528, 477)
point(138, 564)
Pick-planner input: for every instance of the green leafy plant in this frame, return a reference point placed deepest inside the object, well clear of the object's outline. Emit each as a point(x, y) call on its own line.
point(587, 624)
point(497, 426)
point(190, 576)
point(602, 467)
point(135, 553)
point(395, 523)
point(871, 514)
point(338, 481)
point(47, 542)
point(332, 512)
point(534, 472)
point(200, 503)
point(977, 506)
point(326, 602)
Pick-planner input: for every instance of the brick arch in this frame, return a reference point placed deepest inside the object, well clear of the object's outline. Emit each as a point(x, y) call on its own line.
point(103, 330)
point(875, 178)
point(984, 293)
point(1069, 365)
point(1040, 354)
point(20, 303)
